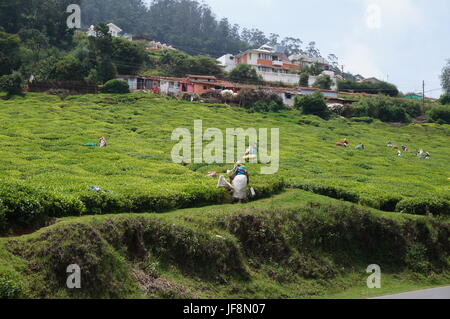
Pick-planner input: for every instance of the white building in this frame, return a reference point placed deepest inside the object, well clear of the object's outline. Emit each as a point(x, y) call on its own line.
point(272, 66)
point(113, 30)
point(228, 62)
point(305, 60)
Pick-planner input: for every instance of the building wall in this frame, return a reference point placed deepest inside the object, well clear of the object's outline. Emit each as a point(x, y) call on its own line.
point(280, 77)
point(228, 61)
point(167, 87)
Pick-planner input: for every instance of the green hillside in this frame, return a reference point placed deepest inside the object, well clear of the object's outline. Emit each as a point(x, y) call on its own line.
point(289, 243)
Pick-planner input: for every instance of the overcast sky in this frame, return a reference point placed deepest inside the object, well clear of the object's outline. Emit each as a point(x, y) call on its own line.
point(403, 41)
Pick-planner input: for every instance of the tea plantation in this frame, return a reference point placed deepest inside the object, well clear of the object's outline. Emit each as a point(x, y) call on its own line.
point(297, 236)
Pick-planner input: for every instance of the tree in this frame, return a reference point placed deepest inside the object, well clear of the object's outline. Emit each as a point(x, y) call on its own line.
point(312, 51)
point(292, 46)
point(127, 56)
point(244, 73)
point(9, 53)
point(323, 82)
point(101, 47)
point(314, 104)
point(445, 99)
point(445, 78)
point(11, 84)
point(304, 79)
point(69, 69)
point(115, 87)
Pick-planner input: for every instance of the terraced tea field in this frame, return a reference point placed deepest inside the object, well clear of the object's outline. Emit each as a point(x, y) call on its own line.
point(42, 151)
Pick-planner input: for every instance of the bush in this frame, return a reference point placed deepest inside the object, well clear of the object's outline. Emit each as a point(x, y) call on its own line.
point(440, 114)
point(445, 99)
point(260, 101)
point(9, 287)
point(116, 87)
point(323, 82)
point(314, 104)
point(304, 79)
point(11, 84)
point(423, 206)
point(329, 190)
point(25, 207)
point(367, 87)
point(384, 108)
point(367, 120)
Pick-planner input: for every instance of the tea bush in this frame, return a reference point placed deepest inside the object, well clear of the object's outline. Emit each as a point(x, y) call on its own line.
point(423, 206)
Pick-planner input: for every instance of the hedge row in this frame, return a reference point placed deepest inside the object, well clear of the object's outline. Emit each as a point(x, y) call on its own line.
point(23, 207)
point(389, 202)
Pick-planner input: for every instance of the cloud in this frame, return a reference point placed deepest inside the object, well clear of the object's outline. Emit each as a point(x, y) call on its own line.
point(358, 58)
point(392, 14)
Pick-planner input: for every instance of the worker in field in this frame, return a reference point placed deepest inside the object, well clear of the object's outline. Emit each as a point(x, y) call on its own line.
point(360, 147)
point(239, 180)
point(102, 141)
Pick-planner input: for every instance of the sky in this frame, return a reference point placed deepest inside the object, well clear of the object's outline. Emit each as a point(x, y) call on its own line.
point(402, 41)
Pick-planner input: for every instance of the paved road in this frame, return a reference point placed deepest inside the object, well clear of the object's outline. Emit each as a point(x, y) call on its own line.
point(437, 293)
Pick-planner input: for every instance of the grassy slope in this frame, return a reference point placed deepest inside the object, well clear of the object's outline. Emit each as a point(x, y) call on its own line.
point(41, 141)
point(78, 238)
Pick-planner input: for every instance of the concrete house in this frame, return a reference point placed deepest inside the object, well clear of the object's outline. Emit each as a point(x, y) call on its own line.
point(228, 62)
point(272, 66)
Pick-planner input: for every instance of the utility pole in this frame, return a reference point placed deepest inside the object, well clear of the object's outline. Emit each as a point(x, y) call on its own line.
point(423, 92)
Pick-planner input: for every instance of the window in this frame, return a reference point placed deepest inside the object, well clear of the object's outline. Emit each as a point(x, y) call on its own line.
point(288, 96)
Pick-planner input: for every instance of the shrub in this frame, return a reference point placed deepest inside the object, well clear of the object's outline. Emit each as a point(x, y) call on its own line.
point(379, 87)
point(116, 87)
point(259, 100)
point(445, 99)
point(9, 287)
point(363, 119)
point(11, 84)
point(384, 108)
point(423, 206)
point(304, 79)
point(440, 114)
point(328, 190)
point(323, 82)
point(314, 104)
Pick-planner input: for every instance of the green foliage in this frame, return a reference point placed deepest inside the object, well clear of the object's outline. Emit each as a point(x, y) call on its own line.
point(10, 288)
point(314, 70)
point(304, 79)
point(259, 101)
point(11, 84)
point(115, 86)
point(328, 190)
point(177, 63)
point(127, 56)
point(445, 78)
point(379, 87)
point(10, 57)
point(314, 104)
point(46, 16)
point(244, 73)
point(69, 68)
point(385, 108)
point(445, 99)
point(440, 114)
point(367, 120)
point(323, 82)
point(424, 205)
